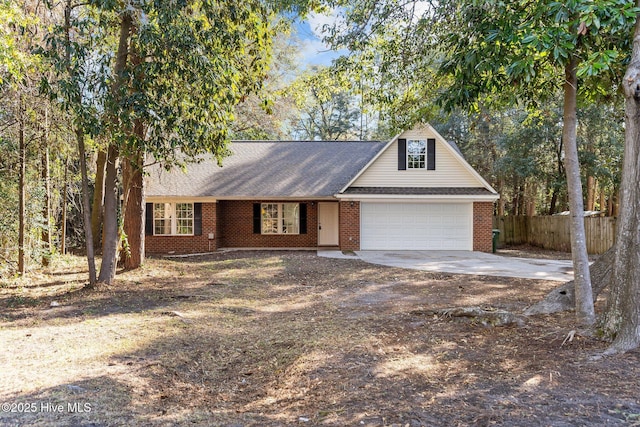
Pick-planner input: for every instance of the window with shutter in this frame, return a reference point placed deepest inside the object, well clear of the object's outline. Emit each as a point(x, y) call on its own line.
point(280, 218)
point(171, 219)
point(417, 154)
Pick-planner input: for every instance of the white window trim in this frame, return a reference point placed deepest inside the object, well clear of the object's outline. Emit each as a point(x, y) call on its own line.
point(172, 216)
point(424, 167)
point(280, 219)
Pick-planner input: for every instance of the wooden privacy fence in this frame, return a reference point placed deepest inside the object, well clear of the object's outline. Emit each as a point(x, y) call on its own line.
point(552, 232)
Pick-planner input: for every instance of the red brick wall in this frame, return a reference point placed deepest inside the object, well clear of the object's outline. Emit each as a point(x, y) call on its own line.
point(350, 226)
point(232, 224)
point(482, 226)
point(188, 244)
point(236, 228)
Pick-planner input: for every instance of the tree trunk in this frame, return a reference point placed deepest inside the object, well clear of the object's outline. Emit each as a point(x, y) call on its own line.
point(603, 201)
point(585, 312)
point(111, 238)
point(591, 193)
point(110, 226)
point(615, 206)
point(554, 200)
point(622, 317)
point(557, 182)
point(46, 209)
point(134, 214)
point(610, 206)
point(562, 298)
point(531, 192)
point(133, 189)
point(98, 200)
point(22, 267)
point(517, 198)
point(501, 201)
point(79, 131)
point(86, 209)
point(65, 191)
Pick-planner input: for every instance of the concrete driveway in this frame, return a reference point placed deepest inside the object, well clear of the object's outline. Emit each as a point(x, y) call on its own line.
point(466, 262)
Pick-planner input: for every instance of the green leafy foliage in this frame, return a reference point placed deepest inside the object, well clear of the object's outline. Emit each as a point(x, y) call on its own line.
point(189, 64)
point(328, 109)
point(392, 61)
point(264, 115)
point(15, 61)
point(494, 45)
point(200, 61)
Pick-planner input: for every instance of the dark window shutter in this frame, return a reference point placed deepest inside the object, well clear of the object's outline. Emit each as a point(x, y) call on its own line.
point(148, 219)
point(431, 154)
point(197, 219)
point(402, 154)
point(257, 218)
point(303, 218)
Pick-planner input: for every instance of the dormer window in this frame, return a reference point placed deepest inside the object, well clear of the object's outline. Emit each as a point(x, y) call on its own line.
point(416, 154)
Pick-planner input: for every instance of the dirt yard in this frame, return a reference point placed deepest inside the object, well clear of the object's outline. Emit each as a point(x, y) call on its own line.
point(287, 338)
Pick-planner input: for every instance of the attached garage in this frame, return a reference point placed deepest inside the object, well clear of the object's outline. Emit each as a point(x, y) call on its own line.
point(416, 226)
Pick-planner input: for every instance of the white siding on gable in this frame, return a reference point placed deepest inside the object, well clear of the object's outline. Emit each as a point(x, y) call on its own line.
point(450, 171)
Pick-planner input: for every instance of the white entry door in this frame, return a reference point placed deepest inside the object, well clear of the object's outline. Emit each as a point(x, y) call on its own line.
point(328, 224)
point(416, 226)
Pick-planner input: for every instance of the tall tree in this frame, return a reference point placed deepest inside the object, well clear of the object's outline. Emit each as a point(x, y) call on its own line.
point(601, 144)
point(155, 79)
point(22, 155)
point(98, 199)
point(46, 182)
point(19, 72)
point(199, 61)
point(326, 107)
point(72, 64)
point(622, 318)
point(527, 45)
point(392, 62)
point(117, 87)
point(265, 115)
point(531, 47)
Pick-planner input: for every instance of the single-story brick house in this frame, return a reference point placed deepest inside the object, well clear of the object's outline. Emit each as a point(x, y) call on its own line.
point(415, 192)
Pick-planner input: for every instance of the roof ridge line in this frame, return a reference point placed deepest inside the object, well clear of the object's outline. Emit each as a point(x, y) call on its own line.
point(235, 141)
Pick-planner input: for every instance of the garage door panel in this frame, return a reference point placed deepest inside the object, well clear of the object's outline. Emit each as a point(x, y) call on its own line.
point(416, 226)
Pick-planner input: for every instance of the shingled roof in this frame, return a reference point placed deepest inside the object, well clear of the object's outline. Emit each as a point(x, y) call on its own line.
point(419, 191)
point(268, 169)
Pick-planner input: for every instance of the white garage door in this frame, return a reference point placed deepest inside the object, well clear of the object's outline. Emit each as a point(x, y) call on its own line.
point(416, 226)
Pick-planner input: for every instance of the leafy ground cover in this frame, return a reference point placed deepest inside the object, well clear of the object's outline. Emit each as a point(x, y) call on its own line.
point(288, 338)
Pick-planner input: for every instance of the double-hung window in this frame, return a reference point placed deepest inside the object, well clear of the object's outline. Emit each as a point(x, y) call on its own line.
point(416, 154)
point(173, 219)
point(280, 218)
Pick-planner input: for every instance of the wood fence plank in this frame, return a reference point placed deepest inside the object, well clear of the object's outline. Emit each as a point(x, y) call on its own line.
point(553, 232)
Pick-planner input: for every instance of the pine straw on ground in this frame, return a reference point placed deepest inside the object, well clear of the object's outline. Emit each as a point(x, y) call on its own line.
point(288, 338)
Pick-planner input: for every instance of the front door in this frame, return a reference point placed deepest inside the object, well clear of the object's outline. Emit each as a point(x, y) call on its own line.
point(328, 224)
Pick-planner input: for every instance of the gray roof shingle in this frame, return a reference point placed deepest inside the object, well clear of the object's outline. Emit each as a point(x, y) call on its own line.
point(420, 191)
point(268, 169)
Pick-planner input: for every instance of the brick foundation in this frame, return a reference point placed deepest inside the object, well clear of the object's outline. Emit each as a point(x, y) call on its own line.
point(482, 226)
point(350, 226)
